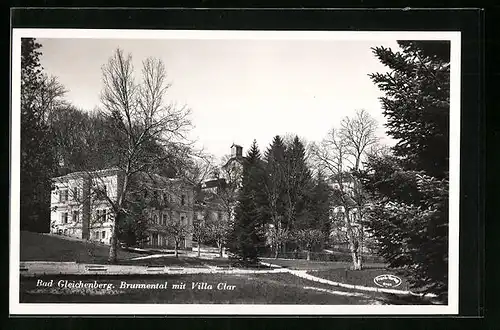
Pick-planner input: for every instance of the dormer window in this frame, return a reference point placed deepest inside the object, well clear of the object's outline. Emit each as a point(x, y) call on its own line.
point(183, 199)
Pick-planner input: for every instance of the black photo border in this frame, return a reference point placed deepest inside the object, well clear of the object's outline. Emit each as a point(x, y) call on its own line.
point(468, 21)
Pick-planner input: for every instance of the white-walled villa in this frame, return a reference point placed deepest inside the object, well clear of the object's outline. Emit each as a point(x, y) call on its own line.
point(81, 206)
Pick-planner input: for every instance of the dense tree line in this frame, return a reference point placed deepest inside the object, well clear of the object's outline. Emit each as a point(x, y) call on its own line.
point(281, 204)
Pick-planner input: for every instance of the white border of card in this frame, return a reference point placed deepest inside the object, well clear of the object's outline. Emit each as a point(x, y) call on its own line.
point(229, 309)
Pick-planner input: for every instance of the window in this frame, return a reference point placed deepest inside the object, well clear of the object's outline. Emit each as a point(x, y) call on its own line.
point(101, 215)
point(63, 195)
point(75, 193)
point(165, 218)
point(103, 234)
point(64, 217)
point(75, 216)
point(155, 218)
point(183, 199)
point(182, 219)
point(100, 191)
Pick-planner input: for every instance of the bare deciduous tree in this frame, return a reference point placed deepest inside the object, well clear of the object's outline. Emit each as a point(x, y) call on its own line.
point(201, 230)
point(146, 127)
point(341, 154)
point(218, 230)
point(278, 235)
point(178, 231)
point(307, 239)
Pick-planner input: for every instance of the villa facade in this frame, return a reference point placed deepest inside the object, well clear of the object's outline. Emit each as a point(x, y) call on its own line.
point(81, 206)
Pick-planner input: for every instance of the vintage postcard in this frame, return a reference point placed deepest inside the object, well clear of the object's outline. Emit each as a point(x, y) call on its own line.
point(219, 172)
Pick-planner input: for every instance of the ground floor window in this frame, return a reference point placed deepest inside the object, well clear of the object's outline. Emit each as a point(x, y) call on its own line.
point(101, 215)
point(154, 239)
point(75, 216)
point(64, 217)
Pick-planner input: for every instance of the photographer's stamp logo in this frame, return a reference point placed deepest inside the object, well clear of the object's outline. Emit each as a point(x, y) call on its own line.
point(387, 281)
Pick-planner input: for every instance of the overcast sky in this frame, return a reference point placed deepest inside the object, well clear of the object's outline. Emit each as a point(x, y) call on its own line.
point(238, 90)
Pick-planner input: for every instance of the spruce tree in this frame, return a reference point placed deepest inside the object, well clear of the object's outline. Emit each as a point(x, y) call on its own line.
point(275, 168)
point(417, 103)
point(298, 186)
point(409, 213)
point(275, 183)
point(248, 231)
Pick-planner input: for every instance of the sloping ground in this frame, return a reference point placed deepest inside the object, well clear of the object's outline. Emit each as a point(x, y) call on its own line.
point(362, 277)
point(180, 262)
point(42, 247)
point(303, 264)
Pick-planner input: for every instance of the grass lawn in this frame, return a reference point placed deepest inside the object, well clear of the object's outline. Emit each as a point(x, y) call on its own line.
point(245, 289)
point(359, 277)
point(181, 261)
point(303, 264)
point(39, 247)
point(365, 277)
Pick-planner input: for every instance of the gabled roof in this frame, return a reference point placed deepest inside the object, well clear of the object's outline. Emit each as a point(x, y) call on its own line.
point(238, 159)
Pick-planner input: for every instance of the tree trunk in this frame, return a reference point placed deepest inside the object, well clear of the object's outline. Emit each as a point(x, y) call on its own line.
point(276, 251)
point(113, 243)
point(176, 249)
point(308, 255)
point(356, 260)
point(199, 249)
point(220, 249)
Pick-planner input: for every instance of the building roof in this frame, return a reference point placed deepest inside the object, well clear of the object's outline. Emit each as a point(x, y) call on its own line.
point(81, 174)
point(141, 177)
point(238, 159)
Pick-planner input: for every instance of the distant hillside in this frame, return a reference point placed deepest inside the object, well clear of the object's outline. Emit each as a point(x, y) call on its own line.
point(46, 247)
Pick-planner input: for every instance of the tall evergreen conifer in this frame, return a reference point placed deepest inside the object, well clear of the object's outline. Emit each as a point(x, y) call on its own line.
point(298, 186)
point(409, 215)
point(248, 230)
